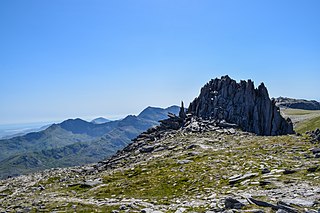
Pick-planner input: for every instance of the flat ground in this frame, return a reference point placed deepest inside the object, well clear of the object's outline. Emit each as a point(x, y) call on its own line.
point(303, 120)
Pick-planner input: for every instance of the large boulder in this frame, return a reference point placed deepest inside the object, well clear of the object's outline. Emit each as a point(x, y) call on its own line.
point(242, 104)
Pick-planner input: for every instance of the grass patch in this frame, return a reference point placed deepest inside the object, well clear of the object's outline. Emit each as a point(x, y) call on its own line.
point(76, 207)
point(308, 125)
point(299, 111)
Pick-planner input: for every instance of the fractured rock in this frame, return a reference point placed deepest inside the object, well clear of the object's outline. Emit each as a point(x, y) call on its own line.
point(299, 202)
point(261, 203)
point(231, 203)
point(236, 179)
point(241, 104)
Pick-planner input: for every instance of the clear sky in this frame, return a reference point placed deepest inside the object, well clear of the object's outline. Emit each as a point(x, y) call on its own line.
point(63, 59)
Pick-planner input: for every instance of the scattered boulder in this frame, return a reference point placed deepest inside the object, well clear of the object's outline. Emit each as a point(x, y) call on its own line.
point(315, 150)
point(146, 149)
point(238, 178)
point(123, 207)
point(313, 169)
point(286, 207)
point(315, 136)
point(180, 210)
point(147, 210)
point(91, 183)
point(265, 171)
point(289, 171)
point(264, 183)
point(299, 202)
point(231, 203)
point(261, 203)
point(184, 161)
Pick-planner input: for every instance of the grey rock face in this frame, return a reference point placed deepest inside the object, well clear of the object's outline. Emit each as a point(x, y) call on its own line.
point(314, 135)
point(242, 104)
point(231, 203)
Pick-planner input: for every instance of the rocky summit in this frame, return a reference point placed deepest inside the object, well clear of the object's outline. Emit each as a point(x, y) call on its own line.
point(241, 104)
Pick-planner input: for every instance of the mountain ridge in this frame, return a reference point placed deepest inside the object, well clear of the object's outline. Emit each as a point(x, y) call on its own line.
point(70, 135)
point(293, 103)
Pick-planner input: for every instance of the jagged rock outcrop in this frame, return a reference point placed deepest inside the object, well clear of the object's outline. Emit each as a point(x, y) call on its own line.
point(241, 104)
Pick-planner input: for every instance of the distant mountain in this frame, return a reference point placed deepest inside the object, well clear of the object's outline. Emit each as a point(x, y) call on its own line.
point(74, 142)
point(297, 103)
point(156, 114)
point(100, 120)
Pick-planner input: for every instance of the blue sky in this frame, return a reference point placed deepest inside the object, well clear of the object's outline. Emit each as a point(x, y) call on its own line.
point(73, 58)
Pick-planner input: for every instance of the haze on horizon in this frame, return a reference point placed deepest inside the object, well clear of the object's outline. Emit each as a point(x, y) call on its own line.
point(65, 59)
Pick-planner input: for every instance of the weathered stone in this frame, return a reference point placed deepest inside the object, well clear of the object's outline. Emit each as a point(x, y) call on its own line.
point(123, 207)
point(192, 146)
point(299, 202)
point(180, 210)
point(261, 203)
point(231, 203)
point(315, 150)
point(147, 210)
point(184, 161)
point(315, 137)
point(264, 183)
point(281, 211)
point(265, 171)
point(313, 169)
point(233, 180)
point(146, 149)
point(253, 211)
point(286, 207)
point(91, 183)
point(288, 171)
point(182, 112)
point(241, 104)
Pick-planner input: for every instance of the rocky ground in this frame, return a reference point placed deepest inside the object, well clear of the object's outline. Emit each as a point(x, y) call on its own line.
point(200, 168)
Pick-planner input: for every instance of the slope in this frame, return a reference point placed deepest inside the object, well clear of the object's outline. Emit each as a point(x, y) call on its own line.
point(303, 120)
point(185, 171)
point(72, 142)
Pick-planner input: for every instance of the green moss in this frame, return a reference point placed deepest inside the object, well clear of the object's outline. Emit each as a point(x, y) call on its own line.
point(75, 207)
point(298, 111)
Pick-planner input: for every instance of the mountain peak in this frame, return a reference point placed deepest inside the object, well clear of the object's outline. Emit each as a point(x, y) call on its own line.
point(100, 120)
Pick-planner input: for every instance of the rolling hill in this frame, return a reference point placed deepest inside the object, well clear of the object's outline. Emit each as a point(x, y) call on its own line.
point(74, 142)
